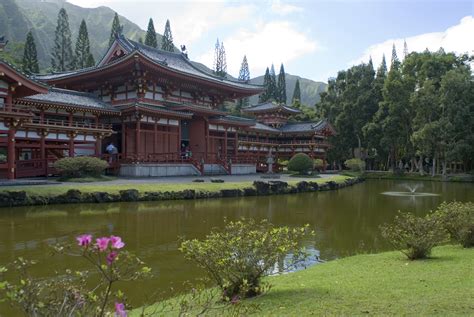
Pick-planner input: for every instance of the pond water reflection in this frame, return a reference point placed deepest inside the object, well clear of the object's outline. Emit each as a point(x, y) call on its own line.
point(345, 221)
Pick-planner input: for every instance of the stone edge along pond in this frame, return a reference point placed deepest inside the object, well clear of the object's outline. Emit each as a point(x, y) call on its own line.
point(258, 188)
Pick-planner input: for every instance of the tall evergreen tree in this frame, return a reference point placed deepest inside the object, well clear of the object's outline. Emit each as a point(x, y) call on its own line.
point(116, 29)
point(405, 49)
point(220, 60)
point(264, 96)
point(83, 57)
point(244, 75)
point(395, 61)
point(62, 56)
point(140, 40)
point(90, 61)
point(30, 56)
point(281, 85)
point(150, 38)
point(167, 41)
point(296, 92)
point(272, 88)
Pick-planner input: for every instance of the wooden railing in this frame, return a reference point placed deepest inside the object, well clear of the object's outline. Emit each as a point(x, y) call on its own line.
point(73, 124)
point(35, 168)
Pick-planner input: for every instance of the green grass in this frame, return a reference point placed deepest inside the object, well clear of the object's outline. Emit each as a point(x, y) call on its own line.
point(376, 284)
point(151, 187)
point(410, 176)
point(88, 179)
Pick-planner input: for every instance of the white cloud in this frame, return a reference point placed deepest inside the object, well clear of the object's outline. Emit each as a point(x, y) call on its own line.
point(273, 42)
point(458, 38)
point(190, 19)
point(283, 8)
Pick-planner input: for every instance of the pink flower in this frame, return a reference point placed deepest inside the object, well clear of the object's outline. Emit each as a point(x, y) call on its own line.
point(116, 242)
point(120, 310)
point(111, 257)
point(84, 240)
point(102, 243)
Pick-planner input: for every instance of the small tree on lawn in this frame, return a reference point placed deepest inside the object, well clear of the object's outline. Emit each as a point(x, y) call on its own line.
point(300, 163)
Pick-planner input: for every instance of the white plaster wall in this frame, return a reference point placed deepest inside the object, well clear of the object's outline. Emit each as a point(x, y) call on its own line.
point(157, 170)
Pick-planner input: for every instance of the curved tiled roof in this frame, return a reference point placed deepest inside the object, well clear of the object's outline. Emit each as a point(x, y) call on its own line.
point(174, 61)
point(71, 97)
point(269, 106)
point(177, 61)
point(304, 126)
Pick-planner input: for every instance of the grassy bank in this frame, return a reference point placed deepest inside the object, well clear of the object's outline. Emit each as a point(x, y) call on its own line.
point(412, 176)
point(111, 188)
point(376, 284)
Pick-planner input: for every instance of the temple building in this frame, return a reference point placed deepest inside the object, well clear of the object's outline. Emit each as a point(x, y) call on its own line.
point(160, 110)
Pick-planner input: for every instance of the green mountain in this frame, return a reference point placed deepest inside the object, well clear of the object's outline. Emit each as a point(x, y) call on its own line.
point(19, 16)
point(310, 89)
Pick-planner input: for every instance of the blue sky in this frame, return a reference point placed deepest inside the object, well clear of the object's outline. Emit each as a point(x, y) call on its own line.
point(314, 39)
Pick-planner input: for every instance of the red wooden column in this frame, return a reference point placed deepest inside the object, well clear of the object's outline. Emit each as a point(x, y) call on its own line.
point(11, 155)
point(169, 136)
point(225, 143)
point(137, 136)
point(155, 136)
point(179, 138)
point(71, 137)
point(236, 143)
point(98, 145)
point(124, 138)
point(98, 139)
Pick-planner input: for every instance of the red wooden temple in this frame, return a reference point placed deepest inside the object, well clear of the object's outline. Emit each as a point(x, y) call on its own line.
point(159, 109)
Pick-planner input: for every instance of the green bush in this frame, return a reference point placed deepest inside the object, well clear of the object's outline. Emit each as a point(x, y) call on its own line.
point(83, 166)
point(414, 236)
point(237, 257)
point(355, 164)
point(300, 163)
point(458, 220)
point(318, 164)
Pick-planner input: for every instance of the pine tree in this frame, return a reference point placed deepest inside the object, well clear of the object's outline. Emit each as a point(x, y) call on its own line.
point(30, 56)
point(223, 60)
point(167, 41)
point(140, 40)
point(405, 49)
point(281, 86)
point(62, 56)
point(272, 88)
point(395, 60)
point(220, 61)
point(90, 61)
point(264, 96)
point(116, 29)
point(83, 57)
point(244, 75)
point(296, 92)
point(150, 38)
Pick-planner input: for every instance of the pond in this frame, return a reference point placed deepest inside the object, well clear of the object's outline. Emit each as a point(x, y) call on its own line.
point(346, 222)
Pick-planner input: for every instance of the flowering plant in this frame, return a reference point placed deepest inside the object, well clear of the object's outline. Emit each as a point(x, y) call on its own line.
point(68, 294)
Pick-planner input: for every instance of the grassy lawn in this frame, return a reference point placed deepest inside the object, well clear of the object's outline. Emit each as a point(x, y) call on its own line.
point(376, 284)
point(144, 187)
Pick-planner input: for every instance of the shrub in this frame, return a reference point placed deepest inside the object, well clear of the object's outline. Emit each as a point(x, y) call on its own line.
point(69, 293)
point(82, 166)
point(355, 164)
point(458, 220)
point(414, 236)
point(237, 257)
point(300, 163)
point(318, 164)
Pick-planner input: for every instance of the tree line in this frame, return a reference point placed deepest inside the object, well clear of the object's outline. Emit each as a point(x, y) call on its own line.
point(64, 58)
point(416, 116)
